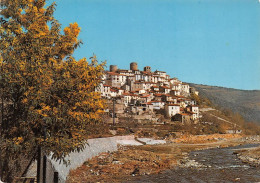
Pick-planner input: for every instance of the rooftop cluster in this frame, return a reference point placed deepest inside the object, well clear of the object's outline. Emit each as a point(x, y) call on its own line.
point(145, 91)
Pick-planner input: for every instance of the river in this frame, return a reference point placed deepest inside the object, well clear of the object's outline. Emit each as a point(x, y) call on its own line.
point(210, 165)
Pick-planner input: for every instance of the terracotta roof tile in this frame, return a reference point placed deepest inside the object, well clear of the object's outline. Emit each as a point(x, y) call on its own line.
point(173, 105)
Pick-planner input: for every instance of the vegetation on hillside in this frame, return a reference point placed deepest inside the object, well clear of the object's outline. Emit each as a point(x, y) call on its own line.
point(244, 102)
point(201, 101)
point(222, 118)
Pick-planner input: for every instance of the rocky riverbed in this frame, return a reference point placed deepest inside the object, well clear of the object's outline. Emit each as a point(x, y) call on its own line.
point(209, 165)
point(136, 161)
point(251, 155)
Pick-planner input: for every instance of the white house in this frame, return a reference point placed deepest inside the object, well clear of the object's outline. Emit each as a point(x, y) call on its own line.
point(158, 104)
point(172, 109)
point(176, 87)
point(104, 90)
point(185, 89)
point(165, 89)
point(127, 98)
point(116, 79)
point(175, 92)
point(194, 110)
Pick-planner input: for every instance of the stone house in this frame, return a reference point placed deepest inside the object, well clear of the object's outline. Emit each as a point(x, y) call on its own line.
point(162, 74)
point(144, 99)
point(113, 92)
point(182, 117)
point(155, 89)
point(175, 92)
point(169, 98)
point(175, 81)
point(138, 86)
point(164, 89)
point(176, 87)
point(126, 97)
point(185, 89)
point(157, 97)
point(116, 79)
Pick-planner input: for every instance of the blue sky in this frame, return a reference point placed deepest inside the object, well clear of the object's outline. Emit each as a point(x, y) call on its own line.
point(214, 42)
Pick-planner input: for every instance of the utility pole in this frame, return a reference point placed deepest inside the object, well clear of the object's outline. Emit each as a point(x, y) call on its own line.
point(2, 118)
point(2, 108)
point(113, 111)
point(2, 100)
point(44, 159)
point(39, 156)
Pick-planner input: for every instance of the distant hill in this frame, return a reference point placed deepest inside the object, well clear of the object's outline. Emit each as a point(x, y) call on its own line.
point(245, 102)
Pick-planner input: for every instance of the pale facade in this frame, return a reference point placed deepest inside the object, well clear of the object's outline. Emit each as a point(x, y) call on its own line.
point(158, 104)
point(172, 109)
point(195, 110)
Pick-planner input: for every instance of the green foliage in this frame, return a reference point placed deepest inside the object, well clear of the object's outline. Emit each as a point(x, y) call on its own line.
point(200, 100)
point(42, 85)
point(196, 98)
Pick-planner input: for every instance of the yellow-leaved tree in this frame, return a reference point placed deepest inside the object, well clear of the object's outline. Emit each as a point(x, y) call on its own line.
point(43, 88)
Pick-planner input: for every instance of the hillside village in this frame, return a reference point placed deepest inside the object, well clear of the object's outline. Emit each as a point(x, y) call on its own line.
point(147, 94)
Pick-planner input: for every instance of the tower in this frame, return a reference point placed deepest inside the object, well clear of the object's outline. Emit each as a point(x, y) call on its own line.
point(113, 68)
point(133, 66)
point(147, 69)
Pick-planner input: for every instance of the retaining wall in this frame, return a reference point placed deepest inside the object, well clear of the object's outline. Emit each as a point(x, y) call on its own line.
point(93, 148)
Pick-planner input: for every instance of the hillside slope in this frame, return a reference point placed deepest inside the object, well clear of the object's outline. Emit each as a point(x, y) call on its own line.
point(245, 102)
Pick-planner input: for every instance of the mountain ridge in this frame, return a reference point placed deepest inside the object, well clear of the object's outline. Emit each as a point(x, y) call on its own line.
point(245, 102)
